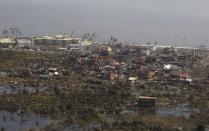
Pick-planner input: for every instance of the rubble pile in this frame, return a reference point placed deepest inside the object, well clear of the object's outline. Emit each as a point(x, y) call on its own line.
point(117, 86)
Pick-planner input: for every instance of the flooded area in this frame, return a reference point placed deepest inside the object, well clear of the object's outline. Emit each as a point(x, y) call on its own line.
point(78, 127)
point(108, 87)
point(12, 121)
point(72, 127)
point(3, 73)
point(10, 90)
point(181, 110)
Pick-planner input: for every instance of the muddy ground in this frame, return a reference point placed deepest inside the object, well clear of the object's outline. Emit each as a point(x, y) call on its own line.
point(77, 100)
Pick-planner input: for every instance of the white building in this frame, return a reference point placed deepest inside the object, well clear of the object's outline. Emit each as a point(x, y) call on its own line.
point(25, 42)
point(5, 40)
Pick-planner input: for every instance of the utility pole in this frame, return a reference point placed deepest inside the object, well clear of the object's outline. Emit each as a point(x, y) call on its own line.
point(175, 41)
point(184, 41)
point(200, 41)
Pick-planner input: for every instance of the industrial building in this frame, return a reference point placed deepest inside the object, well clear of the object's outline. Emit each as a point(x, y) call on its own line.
point(61, 40)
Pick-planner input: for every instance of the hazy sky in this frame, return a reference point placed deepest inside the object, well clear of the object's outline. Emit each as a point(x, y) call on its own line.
point(131, 20)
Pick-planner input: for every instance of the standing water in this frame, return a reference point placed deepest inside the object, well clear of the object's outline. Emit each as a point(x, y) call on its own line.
point(12, 121)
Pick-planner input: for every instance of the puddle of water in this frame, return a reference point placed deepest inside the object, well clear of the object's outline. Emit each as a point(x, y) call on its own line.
point(77, 127)
point(3, 73)
point(73, 127)
point(181, 110)
point(177, 111)
point(174, 111)
point(13, 121)
point(18, 90)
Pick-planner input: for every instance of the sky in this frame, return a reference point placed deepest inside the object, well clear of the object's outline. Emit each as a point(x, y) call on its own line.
point(128, 20)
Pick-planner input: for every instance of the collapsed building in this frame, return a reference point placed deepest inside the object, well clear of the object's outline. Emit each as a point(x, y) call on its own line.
point(56, 40)
point(64, 41)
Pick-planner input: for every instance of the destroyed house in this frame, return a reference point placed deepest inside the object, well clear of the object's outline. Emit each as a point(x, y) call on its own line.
point(146, 102)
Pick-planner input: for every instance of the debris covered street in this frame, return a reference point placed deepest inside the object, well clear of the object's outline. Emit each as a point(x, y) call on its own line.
point(104, 87)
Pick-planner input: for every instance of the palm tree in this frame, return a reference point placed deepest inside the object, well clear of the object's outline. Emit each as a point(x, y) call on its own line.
point(16, 31)
point(156, 43)
point(11, 31)
point(19, 33)
point(93, 36)
point(5, 33)
point(72, 34)
point(113, 40)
